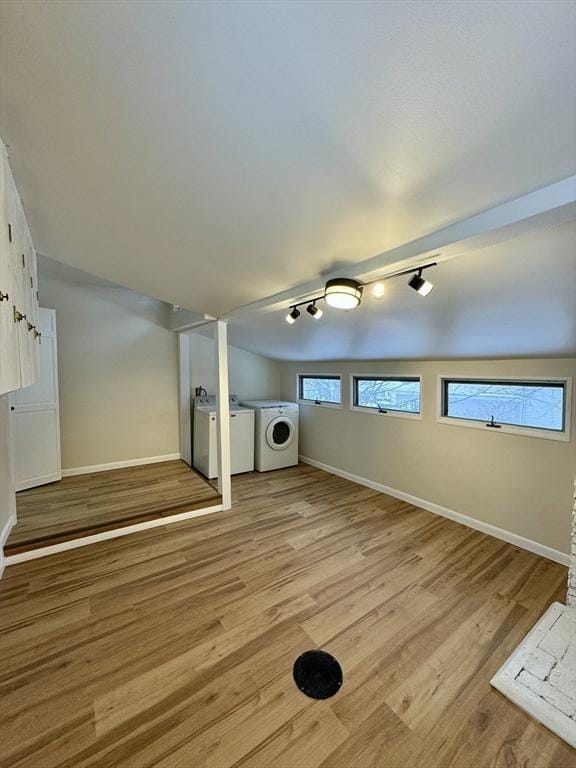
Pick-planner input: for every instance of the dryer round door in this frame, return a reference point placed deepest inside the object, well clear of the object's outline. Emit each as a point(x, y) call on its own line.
point(280, 433)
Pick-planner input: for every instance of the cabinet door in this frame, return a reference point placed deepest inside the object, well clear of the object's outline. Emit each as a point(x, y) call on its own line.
point(9, 356)
point(34, 339)
point(19, 346)
point(20, 241)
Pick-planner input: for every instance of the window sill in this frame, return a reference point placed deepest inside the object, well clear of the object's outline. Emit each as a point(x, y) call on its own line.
point(336, 406)
point(376, 412)
point(507, 429)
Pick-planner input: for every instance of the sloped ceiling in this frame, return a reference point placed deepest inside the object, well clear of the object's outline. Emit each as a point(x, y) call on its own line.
point(516, 298)
point(210, 154)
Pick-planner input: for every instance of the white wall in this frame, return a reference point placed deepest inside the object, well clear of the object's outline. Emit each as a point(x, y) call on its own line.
point(118, 371)
point(521, 484)
point(251, 376)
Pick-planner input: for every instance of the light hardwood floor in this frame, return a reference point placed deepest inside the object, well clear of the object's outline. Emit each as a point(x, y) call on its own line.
point(83, 505)
point(174, 647)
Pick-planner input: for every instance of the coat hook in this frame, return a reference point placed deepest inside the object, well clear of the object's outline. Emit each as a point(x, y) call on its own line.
point(18, 316)
point(4, 296)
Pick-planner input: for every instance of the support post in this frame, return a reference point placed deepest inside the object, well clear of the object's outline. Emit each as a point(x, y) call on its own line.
point(185, 398)
point(223, 413)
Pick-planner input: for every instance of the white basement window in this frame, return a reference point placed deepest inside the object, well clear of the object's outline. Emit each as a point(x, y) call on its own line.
point(393, 395)
point(319, 389)
point(539, 408)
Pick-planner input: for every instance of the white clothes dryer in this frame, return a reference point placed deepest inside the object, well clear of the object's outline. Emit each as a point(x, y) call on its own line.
point(275, 434)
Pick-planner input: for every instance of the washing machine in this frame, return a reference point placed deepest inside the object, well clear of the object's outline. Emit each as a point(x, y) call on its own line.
point(205, 455)
point(276, 434)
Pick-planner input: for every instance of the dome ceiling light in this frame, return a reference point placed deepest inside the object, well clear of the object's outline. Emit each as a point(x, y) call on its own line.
point(343, 293)
point(346, 292)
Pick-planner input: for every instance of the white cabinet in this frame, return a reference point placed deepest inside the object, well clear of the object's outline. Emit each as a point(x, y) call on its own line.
point(20, 335)
point(9, 357)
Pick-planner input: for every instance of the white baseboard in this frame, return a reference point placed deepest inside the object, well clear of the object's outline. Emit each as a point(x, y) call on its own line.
point(4, 533)
point(114, 534)
point(36, 481)
point(119, 464)
point(471, 522)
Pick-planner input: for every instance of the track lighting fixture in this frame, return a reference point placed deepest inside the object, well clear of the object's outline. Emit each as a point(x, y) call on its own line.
point(314, 311)
point(422, 286)
point(292, 316)
point(346, 293)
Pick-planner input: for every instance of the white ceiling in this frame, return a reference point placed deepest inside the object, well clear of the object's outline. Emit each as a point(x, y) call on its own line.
point(210, 154)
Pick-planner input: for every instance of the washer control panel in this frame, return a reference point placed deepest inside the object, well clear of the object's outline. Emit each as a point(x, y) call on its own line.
point(203, 401)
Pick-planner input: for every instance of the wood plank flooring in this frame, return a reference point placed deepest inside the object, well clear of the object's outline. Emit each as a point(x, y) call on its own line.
point(173, 648)
point(83, 505)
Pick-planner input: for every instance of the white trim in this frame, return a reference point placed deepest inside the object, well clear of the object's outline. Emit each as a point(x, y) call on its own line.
point(223, 414)
point(184, 399)
point(322, 404)
point(478, 525)
point(119, 464)
point(390, 412)
point(505, 429)
point(4, 533)
point(33, 482)
point(334, 406)
point(113, 534)
point(508, 429)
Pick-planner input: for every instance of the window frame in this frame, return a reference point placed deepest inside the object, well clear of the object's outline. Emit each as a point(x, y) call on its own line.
point(389, 412)
point(321, 403)
point(509, 429)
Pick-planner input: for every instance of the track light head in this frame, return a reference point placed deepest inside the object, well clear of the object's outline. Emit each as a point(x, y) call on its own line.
point(378, 290)
point(314, 311)
point(420, 285)
point(292, 316)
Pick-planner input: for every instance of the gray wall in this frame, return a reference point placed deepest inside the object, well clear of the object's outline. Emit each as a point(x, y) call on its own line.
point(521, 484)
point(118, 373)
point(251, 376)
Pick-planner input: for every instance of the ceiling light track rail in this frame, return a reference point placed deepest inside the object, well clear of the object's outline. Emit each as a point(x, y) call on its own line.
point(411, 271)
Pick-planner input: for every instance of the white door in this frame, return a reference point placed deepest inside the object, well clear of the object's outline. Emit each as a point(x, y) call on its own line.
point(35, 417)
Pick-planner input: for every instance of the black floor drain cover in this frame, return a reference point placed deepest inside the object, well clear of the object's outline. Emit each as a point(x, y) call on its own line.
point(318, 674)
